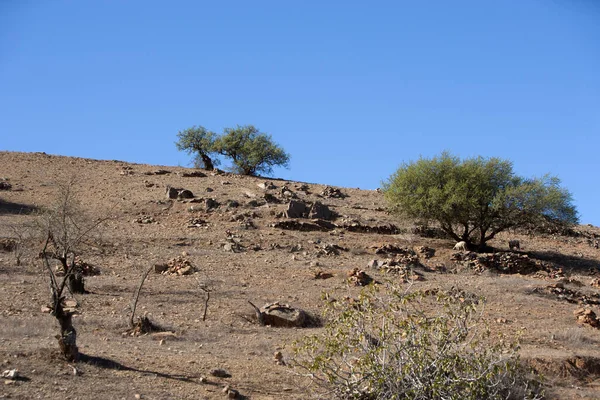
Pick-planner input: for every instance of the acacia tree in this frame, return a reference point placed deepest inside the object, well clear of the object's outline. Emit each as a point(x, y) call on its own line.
point(199, 141)
point(476, 198)
point(251, 151)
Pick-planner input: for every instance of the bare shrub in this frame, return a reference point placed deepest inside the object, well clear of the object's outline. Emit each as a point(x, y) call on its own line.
point(422, 345)
point(64, 229)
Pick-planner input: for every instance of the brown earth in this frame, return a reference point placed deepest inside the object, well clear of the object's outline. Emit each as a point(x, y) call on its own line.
point(239, 256)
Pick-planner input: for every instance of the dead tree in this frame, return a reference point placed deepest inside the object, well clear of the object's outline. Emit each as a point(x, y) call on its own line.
point(64, 229)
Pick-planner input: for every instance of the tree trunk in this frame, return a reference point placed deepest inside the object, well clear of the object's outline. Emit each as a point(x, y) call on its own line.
point(67, 341)
point(208, 164)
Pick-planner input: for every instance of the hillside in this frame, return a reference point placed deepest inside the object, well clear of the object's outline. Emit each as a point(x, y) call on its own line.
point(236, 236)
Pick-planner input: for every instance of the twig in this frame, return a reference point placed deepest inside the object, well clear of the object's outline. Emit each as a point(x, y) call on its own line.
point(205, 302)
point(137, 295)
point(259, 315)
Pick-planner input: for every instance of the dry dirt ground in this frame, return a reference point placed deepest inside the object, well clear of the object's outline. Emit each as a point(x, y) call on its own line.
point(239, 257)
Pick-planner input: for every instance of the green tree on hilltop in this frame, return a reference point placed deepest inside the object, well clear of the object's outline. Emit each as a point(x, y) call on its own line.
point(251, 151)
point(199, 141)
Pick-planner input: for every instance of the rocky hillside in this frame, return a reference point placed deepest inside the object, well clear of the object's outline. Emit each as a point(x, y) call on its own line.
point(215, 242)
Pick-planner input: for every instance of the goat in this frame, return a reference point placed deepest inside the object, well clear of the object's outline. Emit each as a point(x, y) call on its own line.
point(514, 244)
point(462, 246)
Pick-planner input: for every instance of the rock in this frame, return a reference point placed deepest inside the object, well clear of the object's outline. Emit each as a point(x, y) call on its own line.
point(373, 264)
point(211, 204)
point(187, 270)
point(194, 174)
point(11, 374)
point(358, 277)
point(320, 211)
point(160, 268)
point(322, 275)
point(266, 185)
point(333, 193)
point(172, 193)
point(282, 315)
point(161, 172)
point(220, 373)
point(278, 357)
point(185, 194)
point(5, 186)
point(175, 193)
point(297, 209)
point(269, 198)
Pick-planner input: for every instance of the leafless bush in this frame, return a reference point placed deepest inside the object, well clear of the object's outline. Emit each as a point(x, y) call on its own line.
point(64, 229)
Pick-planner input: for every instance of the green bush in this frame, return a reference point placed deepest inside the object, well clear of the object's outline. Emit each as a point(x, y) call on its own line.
point(476, 198)
point(423, 345)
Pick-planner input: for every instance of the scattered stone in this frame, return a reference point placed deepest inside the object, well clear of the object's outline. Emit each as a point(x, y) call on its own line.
point(211, 204)
point(209, 190)
point(358, 277)
point(571, 296)
point(220, 373)
point(278, 357)
point(286, 192)
point(5, 185)
point(266, 185)
point(328, 249)
point(595, 282)
point(197, 223)
point(7, 244)
point(357, 226)
point(333, 193)
point(225, 183)
point(297, 209)
point(175, 193)
point(427, 252)
point(505, 263)
point(303, 188)
point(145, 219)
point(84, 268)
point(194, 174)
point(12, 374)
point(176, 266)
point(300, 226)
point(587, 317)
point(320, 211)
point(322, 275)
point(269, 198)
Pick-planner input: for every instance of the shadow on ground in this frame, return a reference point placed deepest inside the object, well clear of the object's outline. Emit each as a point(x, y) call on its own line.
point(579, 264)
point(107, 363)
point(7, 207)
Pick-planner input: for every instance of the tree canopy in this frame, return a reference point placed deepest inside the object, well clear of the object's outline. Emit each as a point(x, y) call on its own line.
point(251, 151)
point(199, 141)
point(476, 198)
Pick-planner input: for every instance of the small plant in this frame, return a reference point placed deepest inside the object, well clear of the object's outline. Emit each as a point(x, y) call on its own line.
point(422, 345)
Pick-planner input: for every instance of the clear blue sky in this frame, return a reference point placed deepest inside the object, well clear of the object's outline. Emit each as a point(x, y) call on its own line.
point(350, 89)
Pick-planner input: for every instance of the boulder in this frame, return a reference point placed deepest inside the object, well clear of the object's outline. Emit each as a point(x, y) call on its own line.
point(320, 211)
point(297, 209)
point(282, 315)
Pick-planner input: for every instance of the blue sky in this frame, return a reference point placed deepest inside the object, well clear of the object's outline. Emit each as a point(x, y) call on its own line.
point(351, 89)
